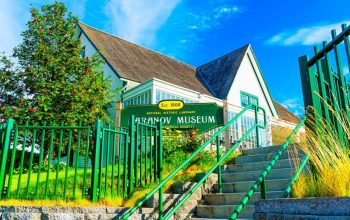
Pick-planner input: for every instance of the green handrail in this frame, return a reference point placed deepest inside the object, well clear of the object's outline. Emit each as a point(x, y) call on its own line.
point(261, 179)
point(295, 177)
point(160, 186)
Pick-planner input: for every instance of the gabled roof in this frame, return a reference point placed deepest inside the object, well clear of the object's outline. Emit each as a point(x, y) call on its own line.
point(219, 74)
point(284, 114)
point(136, 63)
point(140, 64)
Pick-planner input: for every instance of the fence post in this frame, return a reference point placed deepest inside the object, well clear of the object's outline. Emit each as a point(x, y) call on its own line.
point(131, 154)
point(160, 168)
point(218, 155)
point(256, 127)
point(5, 149)
point(95, 168)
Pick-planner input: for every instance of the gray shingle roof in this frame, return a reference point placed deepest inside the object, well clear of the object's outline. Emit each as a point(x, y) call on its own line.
point(219, 74)
point(140, 64)
point(285, 114)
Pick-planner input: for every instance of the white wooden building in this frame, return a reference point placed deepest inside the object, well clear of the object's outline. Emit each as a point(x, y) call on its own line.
point(147, 77)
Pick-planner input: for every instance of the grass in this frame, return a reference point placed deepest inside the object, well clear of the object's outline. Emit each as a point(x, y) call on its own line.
point(329, 159)
point(201, 163)
point(21, 189)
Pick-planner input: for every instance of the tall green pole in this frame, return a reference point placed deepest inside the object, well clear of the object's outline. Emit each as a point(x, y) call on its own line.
point(219, 167)
point(160, 171)
point(257, 128)
point(94, 179)
point(5, 149)
point(131, 155)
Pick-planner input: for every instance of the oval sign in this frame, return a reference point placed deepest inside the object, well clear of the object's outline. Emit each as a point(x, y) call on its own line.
point(171, 104)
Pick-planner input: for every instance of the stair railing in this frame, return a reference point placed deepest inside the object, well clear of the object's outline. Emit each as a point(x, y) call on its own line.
point(261, 179)
point(295, 177)
point(220, 159)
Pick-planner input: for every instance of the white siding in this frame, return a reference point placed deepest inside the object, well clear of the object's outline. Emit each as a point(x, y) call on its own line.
point(247, 81)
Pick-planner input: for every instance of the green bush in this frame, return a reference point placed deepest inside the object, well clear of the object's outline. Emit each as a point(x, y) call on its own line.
point(171, 141)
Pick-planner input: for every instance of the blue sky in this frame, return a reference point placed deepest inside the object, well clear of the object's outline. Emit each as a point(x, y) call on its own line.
point(196, 32)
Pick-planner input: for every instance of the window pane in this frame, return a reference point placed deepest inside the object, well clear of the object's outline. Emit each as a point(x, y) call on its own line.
point(82, 53)
point(149, 97)
point(157, 96)
point(253, 100)
point(143, 98)
point(244, 100)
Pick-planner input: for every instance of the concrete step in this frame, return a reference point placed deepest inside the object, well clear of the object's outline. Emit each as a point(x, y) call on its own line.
point(255, 166)
point(265, 157)
point(269, 149)
point(235, 198)
point(237, 187)
point(223, 211)
point(261, 150)
point(283, 173)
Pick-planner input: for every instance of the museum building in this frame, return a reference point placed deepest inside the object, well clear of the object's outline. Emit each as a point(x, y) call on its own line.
point(148, 77)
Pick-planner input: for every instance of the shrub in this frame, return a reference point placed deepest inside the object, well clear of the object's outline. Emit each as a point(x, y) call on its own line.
point(192, 141)
point(171, 141)
point(329, 159)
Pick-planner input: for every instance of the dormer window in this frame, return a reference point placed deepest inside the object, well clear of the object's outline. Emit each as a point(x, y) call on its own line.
point(247, 99)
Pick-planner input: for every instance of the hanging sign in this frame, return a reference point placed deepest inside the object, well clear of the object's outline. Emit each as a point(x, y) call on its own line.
point(176, 114)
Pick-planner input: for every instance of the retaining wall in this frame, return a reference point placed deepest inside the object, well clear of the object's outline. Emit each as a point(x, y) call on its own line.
point(337, 208)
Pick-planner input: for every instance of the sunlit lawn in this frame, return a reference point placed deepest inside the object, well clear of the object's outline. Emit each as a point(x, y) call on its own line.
point(34, 194)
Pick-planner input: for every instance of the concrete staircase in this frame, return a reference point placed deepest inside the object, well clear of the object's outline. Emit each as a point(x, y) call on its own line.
point(239, 177)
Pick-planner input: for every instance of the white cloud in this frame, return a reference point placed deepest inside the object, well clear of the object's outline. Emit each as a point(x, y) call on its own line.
point(306, 35)
point(193, 27)
point(293, 106)
point(290, 103)
point(221, 11)
point(204, 20)
point(298, 113)
point(138, 21)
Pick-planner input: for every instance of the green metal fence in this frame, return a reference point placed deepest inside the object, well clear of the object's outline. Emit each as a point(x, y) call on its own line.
point(323, 82)
point(74, 162)
point(216, 137)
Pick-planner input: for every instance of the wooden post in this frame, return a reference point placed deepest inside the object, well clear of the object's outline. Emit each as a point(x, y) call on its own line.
point(226, 141)
point(117, 124)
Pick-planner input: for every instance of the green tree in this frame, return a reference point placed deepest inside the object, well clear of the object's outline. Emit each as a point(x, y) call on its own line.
point(10, 91)
point(58, 84)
